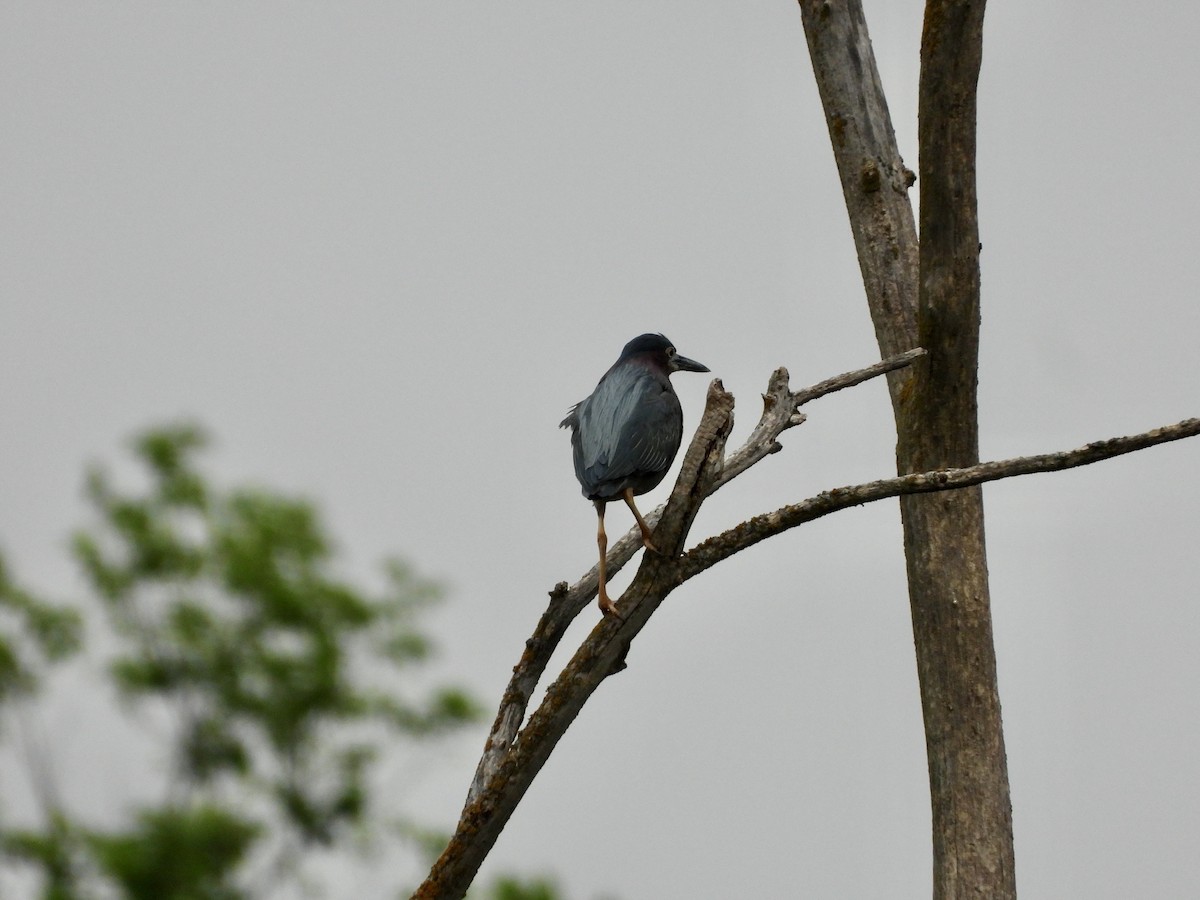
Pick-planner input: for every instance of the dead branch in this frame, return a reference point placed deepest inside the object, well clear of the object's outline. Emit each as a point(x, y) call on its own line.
point(780, 412)
point(514, 755)
point(508, 768)
point(722, 546)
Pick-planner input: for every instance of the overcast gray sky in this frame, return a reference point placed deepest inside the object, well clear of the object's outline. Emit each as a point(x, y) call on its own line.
point(379, 249)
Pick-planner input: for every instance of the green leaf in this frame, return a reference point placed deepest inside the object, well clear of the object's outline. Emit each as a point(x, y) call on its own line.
point(52, 852)
point(228, 608)
point(168, 449)
point(509, 887)
point(177, 853)
point(211, 747)
point(33, 634)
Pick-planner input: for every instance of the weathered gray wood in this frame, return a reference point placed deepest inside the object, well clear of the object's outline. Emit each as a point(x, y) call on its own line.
point(780, 412)
point(707, 554)
point(952, 630)
point(514, 755)
point(944, 534)
point(508, 775)
point(927, 293)
point(875, 180)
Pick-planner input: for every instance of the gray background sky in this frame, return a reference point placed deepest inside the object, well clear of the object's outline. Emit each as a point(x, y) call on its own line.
point(379, 249)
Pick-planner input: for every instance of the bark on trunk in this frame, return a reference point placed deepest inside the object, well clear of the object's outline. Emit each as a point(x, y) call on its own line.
point(926, 293)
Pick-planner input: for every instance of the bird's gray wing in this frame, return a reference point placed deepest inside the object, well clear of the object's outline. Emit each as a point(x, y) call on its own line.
point(630, 426)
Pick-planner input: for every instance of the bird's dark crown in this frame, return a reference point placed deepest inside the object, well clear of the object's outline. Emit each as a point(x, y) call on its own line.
point(645, 343)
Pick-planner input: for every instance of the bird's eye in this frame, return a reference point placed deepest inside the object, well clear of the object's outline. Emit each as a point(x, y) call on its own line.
point(670, 351)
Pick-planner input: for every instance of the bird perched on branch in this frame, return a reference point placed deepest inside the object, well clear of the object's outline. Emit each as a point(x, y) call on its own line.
point(626, 434)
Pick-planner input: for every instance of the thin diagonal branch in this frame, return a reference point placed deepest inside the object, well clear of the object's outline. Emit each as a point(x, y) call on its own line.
point(780, 412)
point(722, 546)
point(781, 409)
point(508, 770)
point(514, 755)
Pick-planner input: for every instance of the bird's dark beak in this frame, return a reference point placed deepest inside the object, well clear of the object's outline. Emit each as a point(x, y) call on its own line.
point(683, 364)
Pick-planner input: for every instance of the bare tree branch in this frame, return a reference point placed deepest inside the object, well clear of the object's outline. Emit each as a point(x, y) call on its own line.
point(944, 542)
point(514, 755)
point(875, 180)
point(781, 405)
point(927, 293)
point(506, 772)
point(508, 764)
point(712, 551)
point(780, 412)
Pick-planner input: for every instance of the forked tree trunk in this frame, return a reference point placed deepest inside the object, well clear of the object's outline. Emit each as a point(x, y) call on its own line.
point(927, 294)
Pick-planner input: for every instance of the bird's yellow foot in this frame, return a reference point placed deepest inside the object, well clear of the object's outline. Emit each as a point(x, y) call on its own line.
point(607, 607)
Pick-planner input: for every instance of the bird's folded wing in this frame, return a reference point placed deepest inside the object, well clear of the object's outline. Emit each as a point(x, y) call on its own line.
point(631, 424)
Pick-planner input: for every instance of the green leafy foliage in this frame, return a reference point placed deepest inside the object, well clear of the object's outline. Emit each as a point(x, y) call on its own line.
point(170, 853)
point(33, 634)
point(512, 888)
point(177, 854)
point(227, 608)
point(231, 609)
point(54, 851)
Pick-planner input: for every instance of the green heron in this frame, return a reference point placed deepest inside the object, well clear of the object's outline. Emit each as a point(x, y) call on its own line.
point(626, 434)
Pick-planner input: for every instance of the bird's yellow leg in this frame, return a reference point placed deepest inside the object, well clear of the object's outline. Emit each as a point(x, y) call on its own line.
point(606, 605)
point(627, 494)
